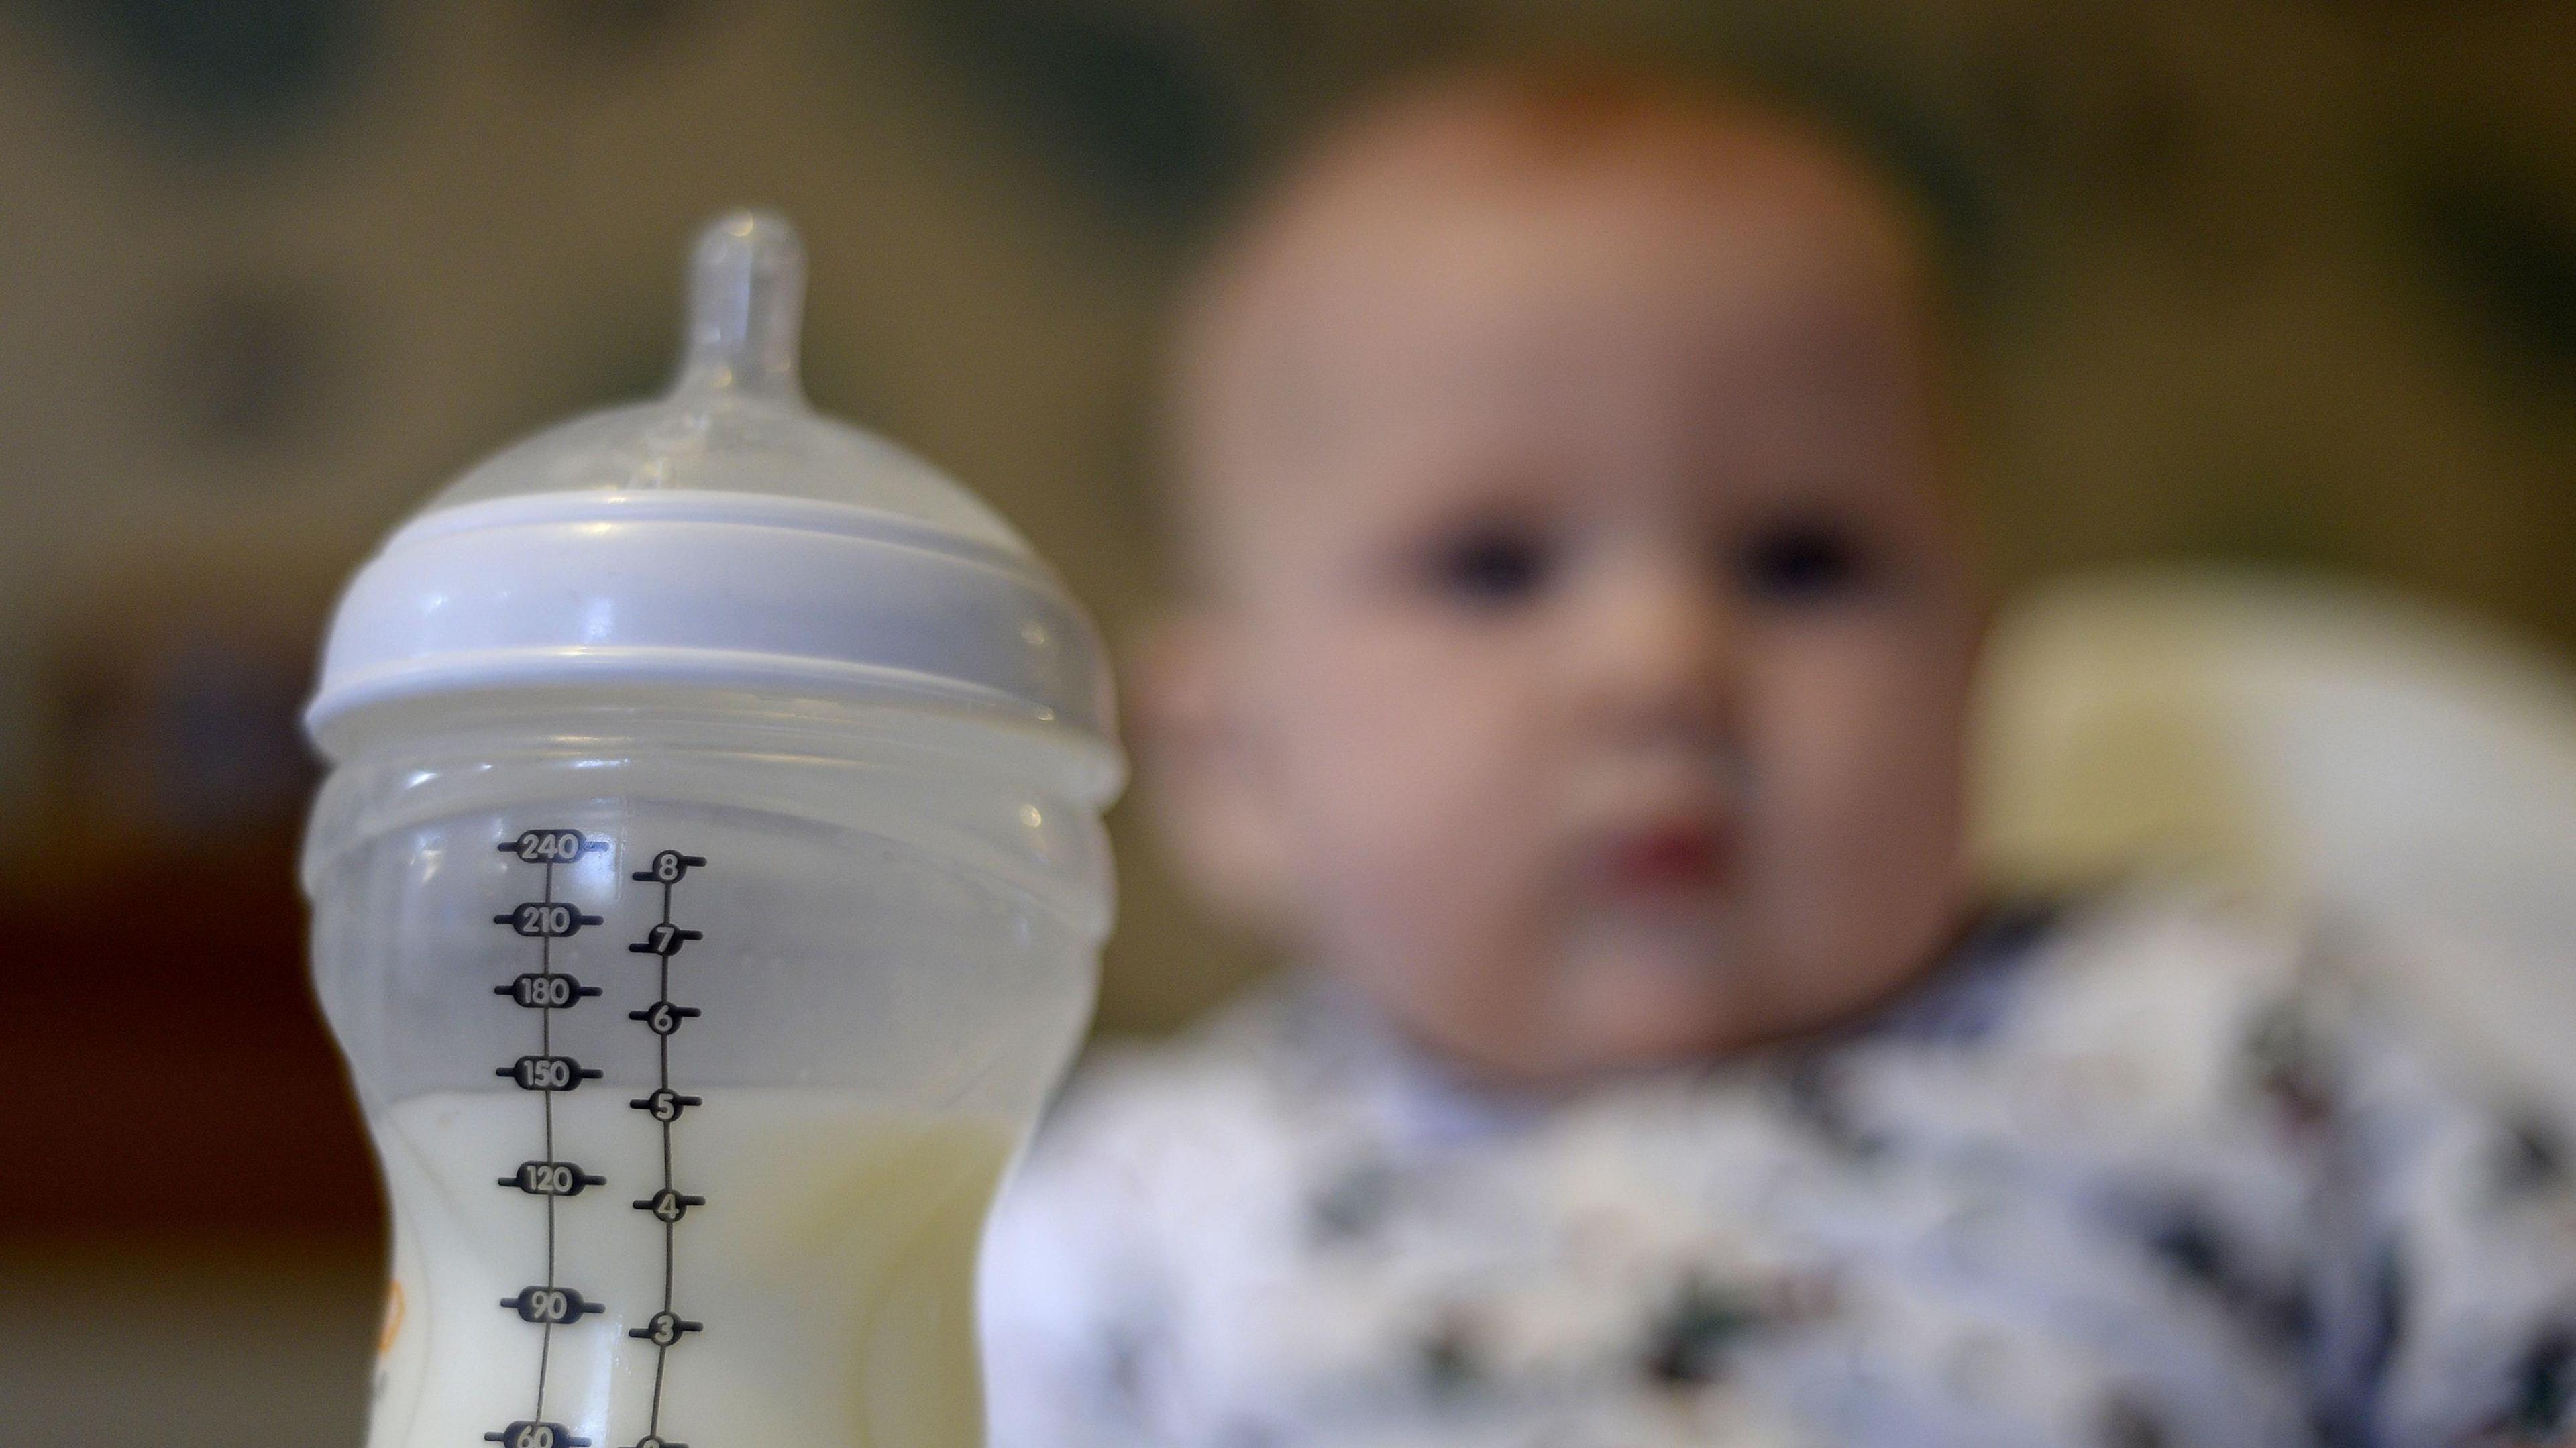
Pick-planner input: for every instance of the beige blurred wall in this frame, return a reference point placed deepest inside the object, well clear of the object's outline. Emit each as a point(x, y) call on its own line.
point(2277, 281)
point(2270, 280)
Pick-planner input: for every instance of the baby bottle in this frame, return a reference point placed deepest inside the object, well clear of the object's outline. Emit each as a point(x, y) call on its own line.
point(706, 890)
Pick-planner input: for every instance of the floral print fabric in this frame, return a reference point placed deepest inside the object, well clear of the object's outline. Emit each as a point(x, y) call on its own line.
point(2129, 1174)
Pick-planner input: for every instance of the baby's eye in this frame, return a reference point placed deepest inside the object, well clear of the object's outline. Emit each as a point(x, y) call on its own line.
point(1800, 561)
point(1491, 566)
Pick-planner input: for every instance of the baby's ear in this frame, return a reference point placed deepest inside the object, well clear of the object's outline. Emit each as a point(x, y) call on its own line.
point(1201, 771)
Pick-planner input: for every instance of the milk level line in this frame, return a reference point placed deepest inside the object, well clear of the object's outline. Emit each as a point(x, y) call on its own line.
point(666, 1327)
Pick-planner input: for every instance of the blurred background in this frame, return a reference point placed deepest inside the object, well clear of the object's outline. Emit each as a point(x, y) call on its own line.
point(2289, 283)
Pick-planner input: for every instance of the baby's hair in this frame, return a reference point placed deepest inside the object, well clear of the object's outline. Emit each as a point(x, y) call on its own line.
point(1536, 113)
point(1502, 122)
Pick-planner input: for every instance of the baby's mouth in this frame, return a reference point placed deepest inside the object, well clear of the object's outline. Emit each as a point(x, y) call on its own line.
point(1665, 861)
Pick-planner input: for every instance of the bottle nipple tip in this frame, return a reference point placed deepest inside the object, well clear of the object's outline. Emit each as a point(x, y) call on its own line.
point(756, 228)
point(747, 293)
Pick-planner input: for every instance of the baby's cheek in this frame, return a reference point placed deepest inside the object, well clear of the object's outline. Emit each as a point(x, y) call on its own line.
point(1856, 736)
point(1411, 744)
point(1422, 787)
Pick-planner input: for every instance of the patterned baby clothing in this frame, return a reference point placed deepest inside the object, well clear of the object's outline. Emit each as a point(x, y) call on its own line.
point(2129, 1173)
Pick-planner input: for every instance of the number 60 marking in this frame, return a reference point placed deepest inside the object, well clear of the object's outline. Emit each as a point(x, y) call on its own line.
point(524, 1434)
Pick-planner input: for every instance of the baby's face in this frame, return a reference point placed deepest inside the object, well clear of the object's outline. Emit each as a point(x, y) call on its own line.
point(1594, 631)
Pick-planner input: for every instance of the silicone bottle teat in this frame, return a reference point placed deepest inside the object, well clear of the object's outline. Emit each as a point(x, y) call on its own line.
point(735, 420)
point(746, 304)
point(724, 535)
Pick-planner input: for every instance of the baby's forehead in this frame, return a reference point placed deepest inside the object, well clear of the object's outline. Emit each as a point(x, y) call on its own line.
point(1458, 240)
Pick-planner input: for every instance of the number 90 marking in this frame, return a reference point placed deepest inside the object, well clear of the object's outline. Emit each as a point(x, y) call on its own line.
point(549, 1306)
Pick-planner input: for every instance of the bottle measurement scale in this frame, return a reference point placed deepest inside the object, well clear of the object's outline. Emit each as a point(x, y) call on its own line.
point(665, 1327)
point(551, 1177)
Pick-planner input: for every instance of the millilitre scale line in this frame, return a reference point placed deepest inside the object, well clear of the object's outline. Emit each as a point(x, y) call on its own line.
point(547, 1304)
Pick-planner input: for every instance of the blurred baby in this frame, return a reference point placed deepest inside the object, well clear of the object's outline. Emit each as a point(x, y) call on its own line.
point(1573, 677)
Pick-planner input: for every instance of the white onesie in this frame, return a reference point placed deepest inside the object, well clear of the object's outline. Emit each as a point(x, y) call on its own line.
point(2131, 1173)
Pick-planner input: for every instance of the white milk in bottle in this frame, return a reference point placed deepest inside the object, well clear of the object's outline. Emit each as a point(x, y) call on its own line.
point(707, 890)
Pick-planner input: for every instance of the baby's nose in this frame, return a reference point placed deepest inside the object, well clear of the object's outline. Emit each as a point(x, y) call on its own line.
point(1659, 651)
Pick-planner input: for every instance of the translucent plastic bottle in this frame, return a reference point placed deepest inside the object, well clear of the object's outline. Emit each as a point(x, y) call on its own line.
point(707, 889)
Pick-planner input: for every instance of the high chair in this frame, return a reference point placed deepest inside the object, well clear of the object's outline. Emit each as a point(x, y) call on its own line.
point(2406, 773)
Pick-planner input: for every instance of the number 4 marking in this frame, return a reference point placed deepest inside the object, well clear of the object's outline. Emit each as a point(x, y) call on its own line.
point(668, 1205)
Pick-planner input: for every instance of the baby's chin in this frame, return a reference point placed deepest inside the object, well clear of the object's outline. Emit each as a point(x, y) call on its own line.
point(1628, 995)
point(1610, 1003)
point(1618, 991)
point(1631, 996)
